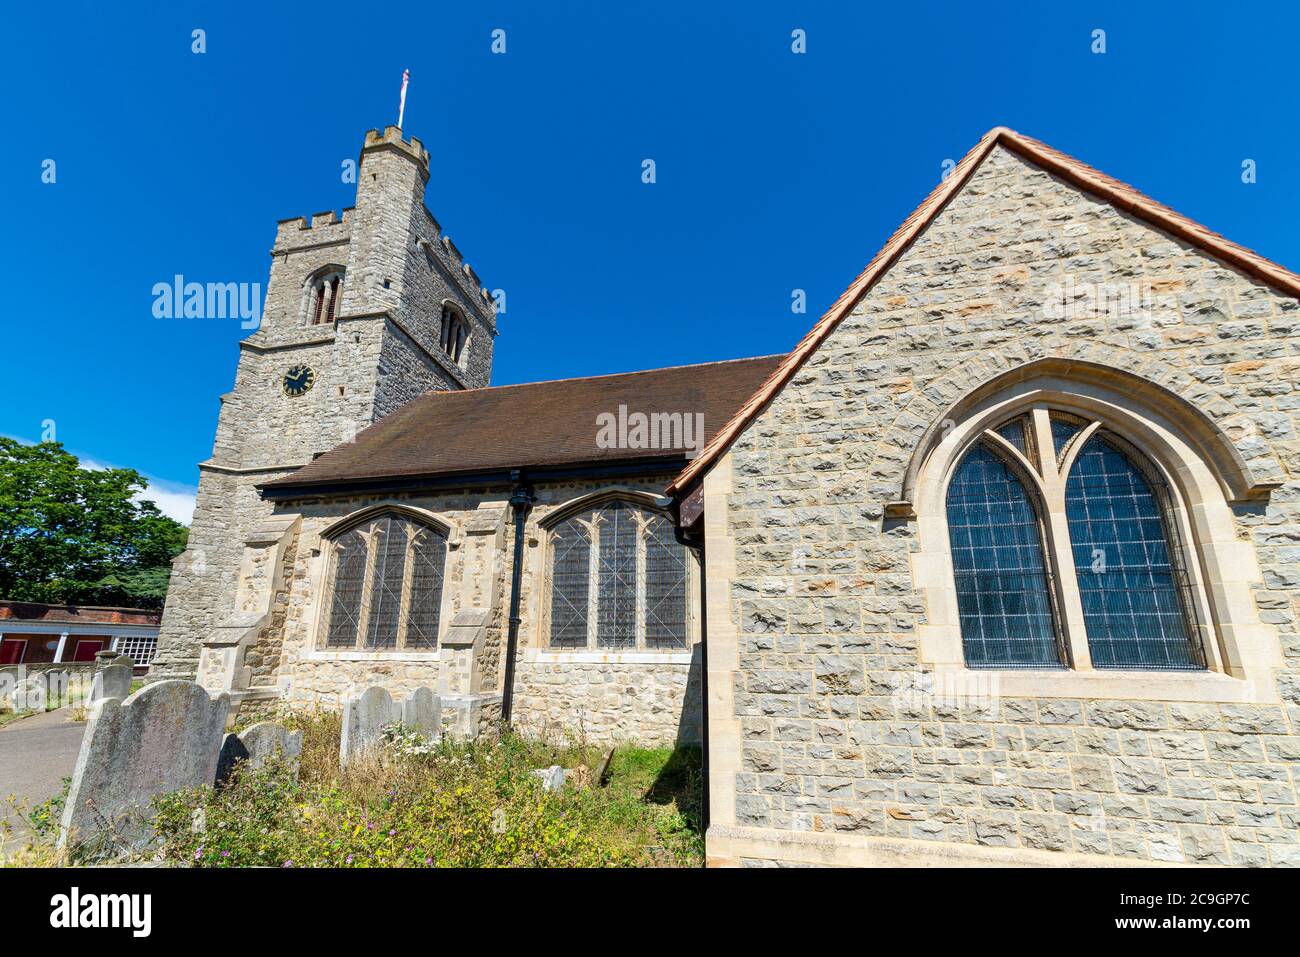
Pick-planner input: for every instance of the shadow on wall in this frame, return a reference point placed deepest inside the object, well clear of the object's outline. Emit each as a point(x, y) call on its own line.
point(690, 721)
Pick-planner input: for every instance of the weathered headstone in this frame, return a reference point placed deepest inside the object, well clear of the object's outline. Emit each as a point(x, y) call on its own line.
point(30, 694)
point(421, 712)
point(552, 777)
point(163, 738)
point(255, 745)
point(114, 681)
point(365, 717)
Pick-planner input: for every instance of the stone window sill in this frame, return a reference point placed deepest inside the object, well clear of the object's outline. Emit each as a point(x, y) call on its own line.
point(1192, 686)
point(428, 656)
point(548, 657)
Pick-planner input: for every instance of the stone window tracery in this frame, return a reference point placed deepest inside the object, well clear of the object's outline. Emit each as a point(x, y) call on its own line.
point(385, 586)
point(617, 581)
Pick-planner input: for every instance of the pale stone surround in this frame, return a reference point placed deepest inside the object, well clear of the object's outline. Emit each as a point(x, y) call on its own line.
point(831, 740)
point(1240, 651)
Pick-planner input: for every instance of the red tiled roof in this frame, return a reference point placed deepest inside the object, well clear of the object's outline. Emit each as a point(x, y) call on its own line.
point(1118, 194)
point(33, 611)
point(535, 425)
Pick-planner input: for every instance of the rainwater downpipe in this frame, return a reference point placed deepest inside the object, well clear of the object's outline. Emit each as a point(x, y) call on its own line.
point(521, 500)
point(698, 547)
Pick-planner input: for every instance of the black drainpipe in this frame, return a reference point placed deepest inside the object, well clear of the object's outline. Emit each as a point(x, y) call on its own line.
point(698, 546)
point(521, 500)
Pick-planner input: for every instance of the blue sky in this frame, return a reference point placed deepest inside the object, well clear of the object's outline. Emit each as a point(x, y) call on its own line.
point(775, 171)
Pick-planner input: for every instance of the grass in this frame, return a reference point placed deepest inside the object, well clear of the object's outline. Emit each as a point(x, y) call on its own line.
point(452, 805)
point(8, 717)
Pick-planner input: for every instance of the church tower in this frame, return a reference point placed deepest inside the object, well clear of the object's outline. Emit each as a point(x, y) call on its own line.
point(363, 313)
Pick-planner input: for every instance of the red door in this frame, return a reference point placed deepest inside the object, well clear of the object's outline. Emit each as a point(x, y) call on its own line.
point(11, 650)
point(86, 648)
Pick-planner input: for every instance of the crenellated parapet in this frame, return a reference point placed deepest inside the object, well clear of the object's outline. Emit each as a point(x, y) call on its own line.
point(391, 138)
point(318, 229)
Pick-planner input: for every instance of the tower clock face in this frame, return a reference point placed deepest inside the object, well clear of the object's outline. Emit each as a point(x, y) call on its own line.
point(298, 380)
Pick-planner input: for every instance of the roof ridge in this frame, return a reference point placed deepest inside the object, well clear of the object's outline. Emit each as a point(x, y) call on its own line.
point(1083, 176)
point(603, 375)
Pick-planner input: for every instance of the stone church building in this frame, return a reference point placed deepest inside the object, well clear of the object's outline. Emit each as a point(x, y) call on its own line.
point(998, 566)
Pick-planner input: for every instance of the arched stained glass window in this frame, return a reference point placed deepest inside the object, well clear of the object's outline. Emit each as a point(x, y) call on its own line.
point(428, 558)
point(1133, 595)
point(386, 585)
point(570, 583)
point(349, 580)
point(389, 559)
point(617, 577)
point(1003, 596)
point(618, 581)
point(665, 586)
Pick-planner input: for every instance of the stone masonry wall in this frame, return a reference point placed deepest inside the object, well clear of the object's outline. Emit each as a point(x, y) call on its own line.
point(824, 599)
point(637, 702)
point(201, 591)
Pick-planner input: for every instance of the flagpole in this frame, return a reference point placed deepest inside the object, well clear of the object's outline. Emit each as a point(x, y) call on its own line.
point(401, 106)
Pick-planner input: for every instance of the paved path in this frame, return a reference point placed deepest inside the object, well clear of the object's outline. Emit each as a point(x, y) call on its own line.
point(36, 754)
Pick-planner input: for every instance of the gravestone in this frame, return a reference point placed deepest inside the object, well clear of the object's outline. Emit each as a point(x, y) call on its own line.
point(30, 694)
point(422, 712)
point(163, 738)
point(365, 717)
point(114, 681)
point(256, 745)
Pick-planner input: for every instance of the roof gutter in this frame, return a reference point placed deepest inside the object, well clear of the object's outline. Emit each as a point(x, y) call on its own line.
point(508, 476)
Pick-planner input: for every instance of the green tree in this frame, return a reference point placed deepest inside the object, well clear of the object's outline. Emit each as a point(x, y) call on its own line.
point(78, 535)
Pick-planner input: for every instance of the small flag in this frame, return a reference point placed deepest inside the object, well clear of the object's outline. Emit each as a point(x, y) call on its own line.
point(401, 106)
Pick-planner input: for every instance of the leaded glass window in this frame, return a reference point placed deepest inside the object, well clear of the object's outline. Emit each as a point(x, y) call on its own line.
point(1123, 597)
point(428, 555)
point(1133, 602)
point(1064, 428)
point(616, 577)
point(997, 554)
point(389, 559)
point(1014, 432)
point(349, 582)
point(618, 581)
point(386, 586)
point(665, 587)
point(570, 583)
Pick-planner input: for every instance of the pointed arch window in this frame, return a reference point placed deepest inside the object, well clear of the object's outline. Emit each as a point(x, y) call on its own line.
point(454, 333)
point(617, 581)
point(1003, 597)
point(1134, 596)
point(1049, 489)
point(385, 586)
point(324, 290)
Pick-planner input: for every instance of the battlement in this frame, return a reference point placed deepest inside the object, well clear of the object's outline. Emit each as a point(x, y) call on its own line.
point(455, 260)
point(325, 227)
point(391, 138)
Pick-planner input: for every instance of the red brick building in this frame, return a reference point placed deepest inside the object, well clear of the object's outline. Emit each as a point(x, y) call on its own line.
point(36, 633)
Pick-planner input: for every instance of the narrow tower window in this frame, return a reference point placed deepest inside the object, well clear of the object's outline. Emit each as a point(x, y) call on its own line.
point(323, 291)
point(454, 334)
point(334, 298)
